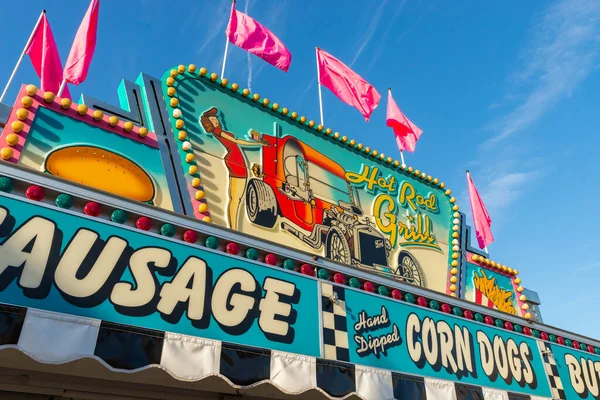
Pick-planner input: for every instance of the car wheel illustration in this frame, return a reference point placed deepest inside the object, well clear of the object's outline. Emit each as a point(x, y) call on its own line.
point(409, 269)
point(261, 204)
point(337, 247)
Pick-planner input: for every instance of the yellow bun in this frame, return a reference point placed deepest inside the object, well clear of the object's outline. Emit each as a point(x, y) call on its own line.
point(26, 101)
point(65, 103)
point(12, 139)
point(22, 113)
point(31, 90)
point(101, 169)
point(6, 153)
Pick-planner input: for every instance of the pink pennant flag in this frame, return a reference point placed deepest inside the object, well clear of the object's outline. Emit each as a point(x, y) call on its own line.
point(248, 34)
point(346, 84)
point(481, 218)
point(82, 50)
point(45, 59)
point(405, 131)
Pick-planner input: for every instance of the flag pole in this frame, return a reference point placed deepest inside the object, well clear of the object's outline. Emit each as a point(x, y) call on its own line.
point(224, 58)
point(22, 55)
point(319, 83)
point(227, 42)
point(62, 87)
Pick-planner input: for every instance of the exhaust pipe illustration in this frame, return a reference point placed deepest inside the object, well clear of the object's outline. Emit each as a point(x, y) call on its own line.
point(314, 240)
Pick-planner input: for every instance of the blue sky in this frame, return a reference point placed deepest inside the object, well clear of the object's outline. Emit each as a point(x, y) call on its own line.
point(509, 90)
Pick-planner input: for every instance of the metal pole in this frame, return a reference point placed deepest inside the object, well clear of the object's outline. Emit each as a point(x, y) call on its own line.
point(63, 84)
point(227, 41)
point(224, 58)
point(22, 55)
point(402, 157)
point(319, 83)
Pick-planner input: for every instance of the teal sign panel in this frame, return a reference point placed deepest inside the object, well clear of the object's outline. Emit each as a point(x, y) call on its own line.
point(89, 155)
point(270, 173)
point(489, 288)
point(392, 335)
point(578, 372)
point(55, 260)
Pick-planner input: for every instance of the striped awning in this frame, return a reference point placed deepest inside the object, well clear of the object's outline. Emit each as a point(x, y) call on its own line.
point(53, 338)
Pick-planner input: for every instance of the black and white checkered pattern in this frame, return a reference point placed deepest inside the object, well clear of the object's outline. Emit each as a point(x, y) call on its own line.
point(335, 331)
point(551, 370)
point(57, 339)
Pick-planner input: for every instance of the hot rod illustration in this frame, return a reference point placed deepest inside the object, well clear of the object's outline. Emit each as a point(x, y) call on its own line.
point(320, 207)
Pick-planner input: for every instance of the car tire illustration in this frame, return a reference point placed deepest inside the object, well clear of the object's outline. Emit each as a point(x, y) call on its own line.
point(409, 269)
point(261, 204)
point(337, 247)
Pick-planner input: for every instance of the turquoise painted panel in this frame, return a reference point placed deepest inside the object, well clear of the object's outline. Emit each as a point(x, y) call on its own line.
point(274, 177)
point(579, 372)
point(393, 335)
point(51, 131)
point(489, 288)
point(58, 261)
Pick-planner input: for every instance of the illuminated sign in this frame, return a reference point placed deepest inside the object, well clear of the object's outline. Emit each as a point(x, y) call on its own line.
point(65, 263)
point(396, 336)
point(490, 288)
point(265, 172)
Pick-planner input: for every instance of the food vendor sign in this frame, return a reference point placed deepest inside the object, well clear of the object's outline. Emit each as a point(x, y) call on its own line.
point(398, 336)
point(577, 372)
point(54, 260)
point(268, 172)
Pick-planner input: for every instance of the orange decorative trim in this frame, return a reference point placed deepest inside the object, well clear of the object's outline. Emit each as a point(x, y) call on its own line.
point(22, 127)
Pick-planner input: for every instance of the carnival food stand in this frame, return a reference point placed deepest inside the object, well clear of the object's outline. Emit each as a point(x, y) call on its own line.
point(203, 241)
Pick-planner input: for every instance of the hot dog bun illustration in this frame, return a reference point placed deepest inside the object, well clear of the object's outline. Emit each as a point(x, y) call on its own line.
point(101, 169)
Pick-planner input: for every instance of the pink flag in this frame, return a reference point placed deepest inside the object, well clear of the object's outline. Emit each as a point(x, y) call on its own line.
point(82, 50)
point(245, 32)
point(346, 84)
point(481, 218)
point(406, 132)
point(45, 59)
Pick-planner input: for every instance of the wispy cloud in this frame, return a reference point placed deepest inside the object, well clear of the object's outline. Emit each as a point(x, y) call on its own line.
point(219, 18)
point(582, 246)
point(365, 39)
point(577, 300)
point(561, 54)
point(499, 190)
point(307, 88)
point(386, 32)
point(190, 21)
point(275, 21)
point(503, 179)
point(587, 267)
point(506, 188)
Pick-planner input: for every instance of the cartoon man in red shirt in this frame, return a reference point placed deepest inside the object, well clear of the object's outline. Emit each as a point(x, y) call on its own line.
point(234, 160)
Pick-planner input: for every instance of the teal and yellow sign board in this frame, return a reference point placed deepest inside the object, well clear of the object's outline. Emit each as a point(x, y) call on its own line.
point(392, 335)
point(61, 138)
point(490, 288)
point(578, 372)
point(262, 170)
point(57, 261)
